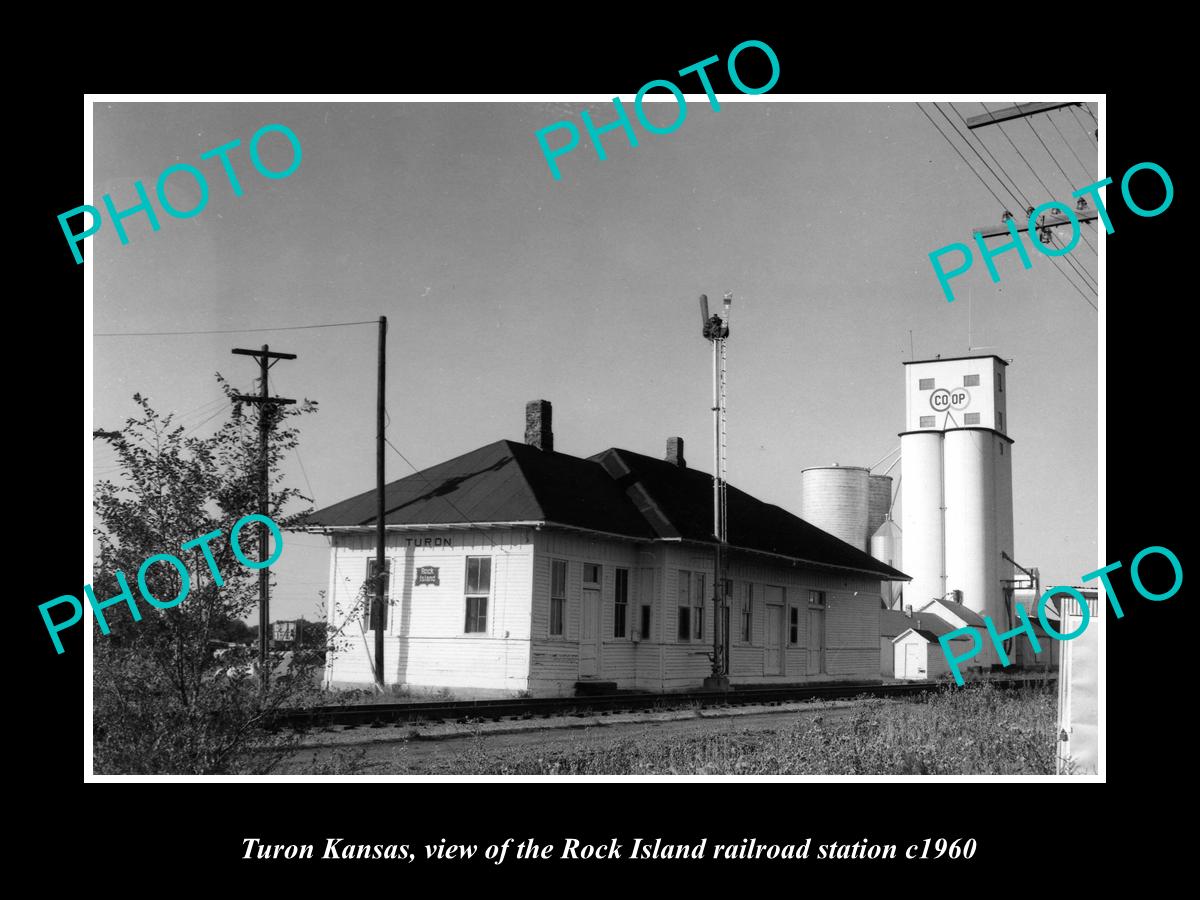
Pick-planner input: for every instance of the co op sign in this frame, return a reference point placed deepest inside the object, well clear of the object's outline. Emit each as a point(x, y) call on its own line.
point(942, 399)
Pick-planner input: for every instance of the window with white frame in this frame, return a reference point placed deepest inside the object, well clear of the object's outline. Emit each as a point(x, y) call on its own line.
point(620, 602)
point(369, 592)
point(558, 595)
point(479, 588)
point(698, 605)
point(793, 625)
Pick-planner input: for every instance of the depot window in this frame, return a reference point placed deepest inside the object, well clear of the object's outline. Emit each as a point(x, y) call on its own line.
point(691, 605)
point(369, 594)
point(558, 595)
point(793, 625)
point(620, 601)
point(479, 587)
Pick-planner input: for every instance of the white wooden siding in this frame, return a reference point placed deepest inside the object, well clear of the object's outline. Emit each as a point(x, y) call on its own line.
point(425, 642)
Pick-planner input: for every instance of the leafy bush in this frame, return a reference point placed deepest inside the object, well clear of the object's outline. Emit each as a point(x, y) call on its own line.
point(163, 700)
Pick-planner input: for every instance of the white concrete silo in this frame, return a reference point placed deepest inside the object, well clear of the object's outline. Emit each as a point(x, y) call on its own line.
point(971, 528)
point(922, 519)
point(835, 499)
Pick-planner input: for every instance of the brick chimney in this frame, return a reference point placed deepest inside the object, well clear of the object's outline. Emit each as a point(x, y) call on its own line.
point(537, 425)
point(675, 452)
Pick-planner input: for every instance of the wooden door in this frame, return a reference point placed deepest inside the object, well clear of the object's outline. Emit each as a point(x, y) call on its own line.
point(914, 665)
point(816, 641)
point(589, 634)
point(774, 663)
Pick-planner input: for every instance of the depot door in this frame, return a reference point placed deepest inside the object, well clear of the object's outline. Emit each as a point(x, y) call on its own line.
point(774, 662)
point(589, 625)
point(816, 641)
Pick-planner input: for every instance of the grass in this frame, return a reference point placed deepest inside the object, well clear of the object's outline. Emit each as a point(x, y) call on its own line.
point(977, 730)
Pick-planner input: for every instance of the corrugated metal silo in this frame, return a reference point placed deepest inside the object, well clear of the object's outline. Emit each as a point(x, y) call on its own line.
point(885, 547)
point(834, 498)
point(922, 517)
point(879, 501)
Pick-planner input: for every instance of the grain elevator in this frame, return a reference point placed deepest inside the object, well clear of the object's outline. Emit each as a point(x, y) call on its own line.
point(957, 506)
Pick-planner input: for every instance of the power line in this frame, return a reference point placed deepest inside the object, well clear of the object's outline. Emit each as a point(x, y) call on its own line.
point(226, 331)
point(976, 152)
point(960, 156)
point(443, 496)
point(1079, 268)
point(1000, 125)
point(1079, 122)
point(1066, 177)
point(1053, 158)
point(1086, 169)
point(311, 492)
point(1086, 298)
point(1028, 204)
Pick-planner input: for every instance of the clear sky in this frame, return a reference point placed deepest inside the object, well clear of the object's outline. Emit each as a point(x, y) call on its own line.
point(502, 285)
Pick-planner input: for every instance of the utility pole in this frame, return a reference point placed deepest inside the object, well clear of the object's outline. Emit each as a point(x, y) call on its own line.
point(381, 575)
point(716, 330)
point(266, 416)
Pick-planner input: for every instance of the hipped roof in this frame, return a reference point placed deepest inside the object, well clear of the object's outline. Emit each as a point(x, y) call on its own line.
point(614, 492)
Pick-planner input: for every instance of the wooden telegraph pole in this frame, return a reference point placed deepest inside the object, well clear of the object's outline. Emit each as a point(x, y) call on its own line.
point(266, 405)
point(381, 575)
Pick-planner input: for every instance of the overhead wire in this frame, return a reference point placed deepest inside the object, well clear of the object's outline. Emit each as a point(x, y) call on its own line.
point(1015, 190)
point(1066, 177)
point(1071, 263)
point(1074, 115)
point(1087, 171)
point(445, 497)
point(228, 330)
point(960, 156)
point(1028, 165)
point(1018, 199)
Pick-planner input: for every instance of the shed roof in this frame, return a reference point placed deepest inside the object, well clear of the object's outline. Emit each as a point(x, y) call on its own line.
point(967, 615)
point(892, 622)
point(927, 634)
point(614, 492)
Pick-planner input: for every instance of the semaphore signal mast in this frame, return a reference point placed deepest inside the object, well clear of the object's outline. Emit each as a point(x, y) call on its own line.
point(716, 331)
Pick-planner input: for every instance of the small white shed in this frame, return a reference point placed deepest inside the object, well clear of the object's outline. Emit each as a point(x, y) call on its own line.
point(918, 655)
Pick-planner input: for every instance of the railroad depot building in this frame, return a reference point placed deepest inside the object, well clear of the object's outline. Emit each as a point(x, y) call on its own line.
point(517, 568)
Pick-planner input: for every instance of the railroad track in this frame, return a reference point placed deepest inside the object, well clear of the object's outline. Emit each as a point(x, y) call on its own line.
point(467, 711)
